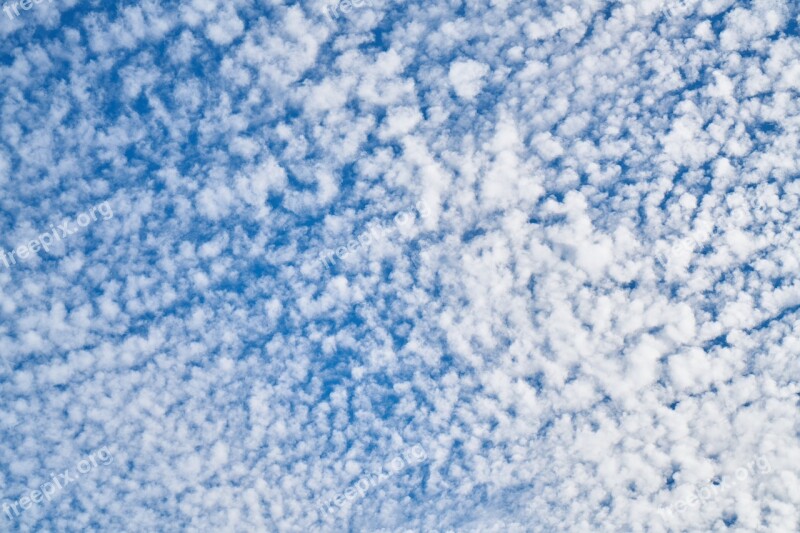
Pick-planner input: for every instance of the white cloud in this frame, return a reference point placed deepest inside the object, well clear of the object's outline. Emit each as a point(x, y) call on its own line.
point(593, 316)
point(467, 77)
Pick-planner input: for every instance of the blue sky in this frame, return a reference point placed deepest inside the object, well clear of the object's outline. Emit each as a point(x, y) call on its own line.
point(450, 266)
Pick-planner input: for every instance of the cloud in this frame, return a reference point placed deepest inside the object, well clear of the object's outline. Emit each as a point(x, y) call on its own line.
point(590, 317)
point(466, 77)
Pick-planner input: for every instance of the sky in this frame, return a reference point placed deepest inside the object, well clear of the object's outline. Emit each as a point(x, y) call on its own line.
point(400, 266)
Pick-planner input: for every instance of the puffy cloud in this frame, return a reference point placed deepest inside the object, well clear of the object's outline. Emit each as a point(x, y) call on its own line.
point(586, 316)
point(466, 77)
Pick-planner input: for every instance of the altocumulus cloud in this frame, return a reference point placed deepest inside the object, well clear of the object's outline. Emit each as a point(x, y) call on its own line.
point(591, 326)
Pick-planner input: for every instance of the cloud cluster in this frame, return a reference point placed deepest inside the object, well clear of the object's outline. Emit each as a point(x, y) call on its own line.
point(563, 360)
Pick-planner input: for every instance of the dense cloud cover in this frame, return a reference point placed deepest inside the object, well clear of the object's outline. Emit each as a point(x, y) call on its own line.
point(371, 265)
